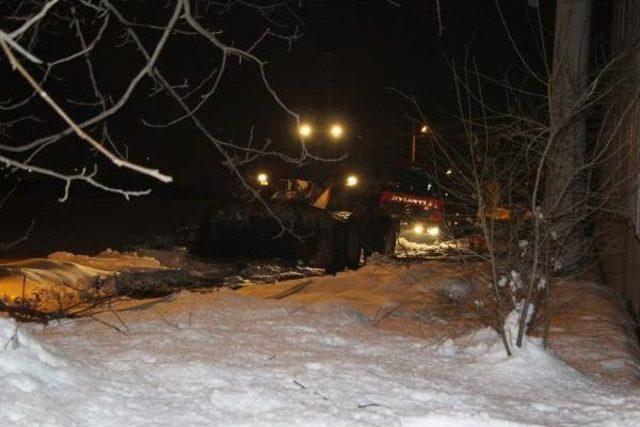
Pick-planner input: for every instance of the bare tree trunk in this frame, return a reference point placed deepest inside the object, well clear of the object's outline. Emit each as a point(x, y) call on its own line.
point(565, 187)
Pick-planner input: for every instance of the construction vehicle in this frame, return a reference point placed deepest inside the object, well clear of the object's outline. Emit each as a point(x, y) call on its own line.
point(329, 225)
point(328, 219)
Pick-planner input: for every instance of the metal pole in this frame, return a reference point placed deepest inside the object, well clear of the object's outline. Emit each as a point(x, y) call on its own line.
point(413, 146)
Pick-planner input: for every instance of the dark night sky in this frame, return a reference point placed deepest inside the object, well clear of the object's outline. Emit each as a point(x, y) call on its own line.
point(350, 54)
point(353, 51)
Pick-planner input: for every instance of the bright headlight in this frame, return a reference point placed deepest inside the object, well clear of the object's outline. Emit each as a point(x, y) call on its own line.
point(433, 231)
point(336, 131)
point(263, 179)
point(352, 181)
point(305, 130)
point(418, 229)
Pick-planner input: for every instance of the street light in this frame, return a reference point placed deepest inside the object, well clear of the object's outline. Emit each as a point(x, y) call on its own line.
point(424, 129)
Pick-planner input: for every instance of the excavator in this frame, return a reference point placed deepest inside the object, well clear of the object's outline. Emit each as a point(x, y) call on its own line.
point(322, 224)
point(332, 220)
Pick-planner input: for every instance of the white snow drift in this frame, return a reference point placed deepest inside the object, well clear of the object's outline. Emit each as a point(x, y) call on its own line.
point(222, 358)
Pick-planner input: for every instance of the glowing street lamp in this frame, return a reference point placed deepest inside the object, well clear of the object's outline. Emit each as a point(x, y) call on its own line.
point(424, 130)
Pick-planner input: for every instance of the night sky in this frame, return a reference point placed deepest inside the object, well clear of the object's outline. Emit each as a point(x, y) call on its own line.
point(351, 53)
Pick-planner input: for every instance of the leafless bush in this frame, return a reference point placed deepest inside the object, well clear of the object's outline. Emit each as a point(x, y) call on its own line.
point(46, 42)
point(531, 170)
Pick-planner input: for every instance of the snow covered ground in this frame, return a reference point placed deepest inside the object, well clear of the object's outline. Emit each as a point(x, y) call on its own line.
point(372, 347)
point(407, 248)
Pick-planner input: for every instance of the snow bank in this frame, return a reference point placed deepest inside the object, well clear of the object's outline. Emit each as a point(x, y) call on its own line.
point(47, 284)
point(32, 377)
point(221, 359)
point(408, 248)
point(381, 346)
point(441, 301)
point(64, 279)
point(481, 419)
point(109, 260)
point(591, 330)
point(22, 355)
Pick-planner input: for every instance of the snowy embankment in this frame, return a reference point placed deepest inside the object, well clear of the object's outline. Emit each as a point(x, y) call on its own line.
point(64, 282)
point(373, 347)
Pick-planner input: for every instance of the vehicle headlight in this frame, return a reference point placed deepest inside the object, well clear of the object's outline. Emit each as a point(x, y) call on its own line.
point(351, 181)
point(418, 229)
point(433, 231)
point(263, 179)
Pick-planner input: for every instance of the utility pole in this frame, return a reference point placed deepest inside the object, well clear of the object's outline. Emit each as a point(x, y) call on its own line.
point(424, 129)
point(413, 144)
point(565, 189)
